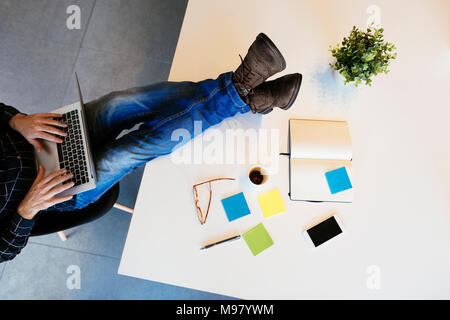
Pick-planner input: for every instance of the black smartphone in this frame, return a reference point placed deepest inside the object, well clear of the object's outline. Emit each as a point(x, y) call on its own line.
point(323, 231)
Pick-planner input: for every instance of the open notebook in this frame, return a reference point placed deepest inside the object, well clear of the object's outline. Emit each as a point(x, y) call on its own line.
point(317, 147)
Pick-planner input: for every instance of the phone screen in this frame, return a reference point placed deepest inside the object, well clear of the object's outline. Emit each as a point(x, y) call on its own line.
point(324, 231)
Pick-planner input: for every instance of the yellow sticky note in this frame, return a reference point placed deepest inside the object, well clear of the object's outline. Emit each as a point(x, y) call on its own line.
point(271, 203)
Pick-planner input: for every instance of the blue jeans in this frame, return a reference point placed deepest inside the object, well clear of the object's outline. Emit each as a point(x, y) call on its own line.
point(161, 108)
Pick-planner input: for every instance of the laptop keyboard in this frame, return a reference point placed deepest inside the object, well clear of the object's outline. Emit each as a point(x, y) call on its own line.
point(71, 152)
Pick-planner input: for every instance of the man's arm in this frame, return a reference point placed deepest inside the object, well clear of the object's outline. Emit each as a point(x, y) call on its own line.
point(6, 113)
point(33, 127)
point(14, 230)
point(17, 222)
point(16, 227)
point(14, 234)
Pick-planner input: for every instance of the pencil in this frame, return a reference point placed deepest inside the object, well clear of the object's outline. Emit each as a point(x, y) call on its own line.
point(221, 241)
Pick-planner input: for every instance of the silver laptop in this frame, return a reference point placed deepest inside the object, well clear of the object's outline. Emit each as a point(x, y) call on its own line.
point(74, 154)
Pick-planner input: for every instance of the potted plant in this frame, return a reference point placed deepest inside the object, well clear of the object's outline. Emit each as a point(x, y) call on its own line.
point(362, 55)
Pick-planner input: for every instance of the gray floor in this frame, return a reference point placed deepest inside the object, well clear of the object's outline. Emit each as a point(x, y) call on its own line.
point(121, 44)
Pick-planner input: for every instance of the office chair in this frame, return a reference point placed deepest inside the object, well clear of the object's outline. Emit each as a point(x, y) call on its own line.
point(56, 221)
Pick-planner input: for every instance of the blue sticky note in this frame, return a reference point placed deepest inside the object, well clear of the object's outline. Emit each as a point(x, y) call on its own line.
point(338, 180)
point(235, 206)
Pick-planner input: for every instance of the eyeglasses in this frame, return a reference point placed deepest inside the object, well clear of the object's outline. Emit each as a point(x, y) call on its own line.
point(201, 217)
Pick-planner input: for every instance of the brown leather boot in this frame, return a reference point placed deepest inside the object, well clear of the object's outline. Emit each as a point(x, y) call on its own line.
point(281, 93)
point(263, 60)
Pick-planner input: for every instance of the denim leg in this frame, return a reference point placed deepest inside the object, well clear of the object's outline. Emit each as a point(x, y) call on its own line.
point(163, 108)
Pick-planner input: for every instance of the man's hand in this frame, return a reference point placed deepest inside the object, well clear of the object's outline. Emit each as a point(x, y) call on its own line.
point(42, 193)
point(38, 126)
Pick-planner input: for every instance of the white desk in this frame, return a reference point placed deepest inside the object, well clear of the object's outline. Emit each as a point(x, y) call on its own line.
point(400, 219)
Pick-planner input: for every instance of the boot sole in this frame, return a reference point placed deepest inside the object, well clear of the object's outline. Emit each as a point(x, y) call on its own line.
point(274, 48)
point(293, 98)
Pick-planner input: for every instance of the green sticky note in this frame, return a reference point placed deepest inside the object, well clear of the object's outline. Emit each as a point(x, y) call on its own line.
point(258, 239)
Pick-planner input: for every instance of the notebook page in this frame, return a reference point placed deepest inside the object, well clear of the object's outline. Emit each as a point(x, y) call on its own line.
point(320, 139)
point(308, 181)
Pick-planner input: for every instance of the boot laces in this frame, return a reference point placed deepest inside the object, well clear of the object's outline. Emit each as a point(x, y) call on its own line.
point(244, 77)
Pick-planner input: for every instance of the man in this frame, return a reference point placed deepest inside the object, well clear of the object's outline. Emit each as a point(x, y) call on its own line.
point(163, 107)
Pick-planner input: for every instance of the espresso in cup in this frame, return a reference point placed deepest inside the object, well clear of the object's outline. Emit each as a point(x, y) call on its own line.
point(257, 176)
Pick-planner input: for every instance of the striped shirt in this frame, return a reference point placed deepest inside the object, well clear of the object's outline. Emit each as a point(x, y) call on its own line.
point(17, 174)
